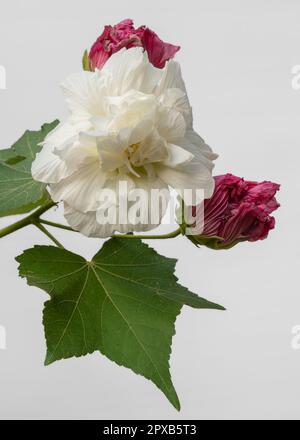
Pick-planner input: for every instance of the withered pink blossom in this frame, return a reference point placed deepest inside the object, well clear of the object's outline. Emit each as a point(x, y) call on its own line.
point(124, 34)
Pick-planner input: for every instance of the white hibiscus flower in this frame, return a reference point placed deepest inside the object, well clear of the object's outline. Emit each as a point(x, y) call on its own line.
point(129, 122)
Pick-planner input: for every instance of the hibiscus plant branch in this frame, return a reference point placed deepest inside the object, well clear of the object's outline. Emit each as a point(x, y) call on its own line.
point(34, 219)
point(49, 235)
point(145, 237)
point(31, 219)
point(172, 234)
point(56, 225)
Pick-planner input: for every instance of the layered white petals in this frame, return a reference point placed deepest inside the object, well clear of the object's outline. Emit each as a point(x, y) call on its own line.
point(86, 223)
point(171, 78)
point(107, 219)
point(177, 99)
point(130, 70)
point(196, 145)
point(130, 109)
point(111, 149)
point(187, 180)
point(85, 96)
point(47, 166)
point(177, 156)
point(129, 122)
point(171, 124)
point(81, 190)
point(203, 154)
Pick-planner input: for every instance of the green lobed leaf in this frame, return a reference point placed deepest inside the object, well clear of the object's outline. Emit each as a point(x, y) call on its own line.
point(123, 303)
point(19, 193)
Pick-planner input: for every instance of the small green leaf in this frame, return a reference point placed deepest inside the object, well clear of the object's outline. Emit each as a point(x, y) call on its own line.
point(19, 193)
point(123, 303)
point(86, 61)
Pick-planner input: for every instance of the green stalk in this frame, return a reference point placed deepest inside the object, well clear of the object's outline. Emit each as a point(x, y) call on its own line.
point(56, 225)
point(150, 237)
point(34, 219)
point(49, 235)
point(29, 220)
point(145, 237)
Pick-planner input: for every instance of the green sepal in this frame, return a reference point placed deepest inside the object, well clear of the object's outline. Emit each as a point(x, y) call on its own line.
point(86, 61)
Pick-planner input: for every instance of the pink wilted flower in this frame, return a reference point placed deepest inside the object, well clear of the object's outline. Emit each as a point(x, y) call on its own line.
point(239, 210)
point(124, 34)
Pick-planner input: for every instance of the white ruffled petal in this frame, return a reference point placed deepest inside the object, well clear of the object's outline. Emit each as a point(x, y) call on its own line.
point(177, 156)
point(171, 78)
point(203, 154)
point(186, 181)
point(111, 150)
point(178, 100)
point(82, 150)
point(130, 69)
point(150, 150)
point(131, 109)
point(197, 146)
point(47, 166)
point(81, 189)
point(85, 223)
point(143, 213)
point(171, 124)
point(85, 95)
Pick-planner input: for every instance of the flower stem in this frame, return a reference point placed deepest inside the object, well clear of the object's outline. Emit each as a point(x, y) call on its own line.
point(30, 219)
point(150, 237)
point(34, 219)
point(49, 235)
point(145, 237)
point(56, 225)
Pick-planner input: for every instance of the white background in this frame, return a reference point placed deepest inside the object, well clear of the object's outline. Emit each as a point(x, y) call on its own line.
point(236, 59)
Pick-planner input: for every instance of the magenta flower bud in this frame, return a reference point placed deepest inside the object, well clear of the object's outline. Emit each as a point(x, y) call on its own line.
point(239, 210)
point(124, 34)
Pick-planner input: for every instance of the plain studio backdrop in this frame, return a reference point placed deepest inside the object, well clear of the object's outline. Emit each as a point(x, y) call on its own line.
point(237, 59)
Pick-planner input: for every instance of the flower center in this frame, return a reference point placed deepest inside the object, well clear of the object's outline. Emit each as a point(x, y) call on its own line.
point(131, 150)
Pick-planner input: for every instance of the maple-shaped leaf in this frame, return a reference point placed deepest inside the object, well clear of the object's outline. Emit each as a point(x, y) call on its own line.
point(123, 303)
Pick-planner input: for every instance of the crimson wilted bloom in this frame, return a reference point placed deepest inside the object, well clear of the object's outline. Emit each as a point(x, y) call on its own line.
point(124, 34)
point(239, 210)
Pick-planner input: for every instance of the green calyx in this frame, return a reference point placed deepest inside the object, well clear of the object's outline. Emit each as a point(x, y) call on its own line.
point(86, 61)
point(212, 242)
